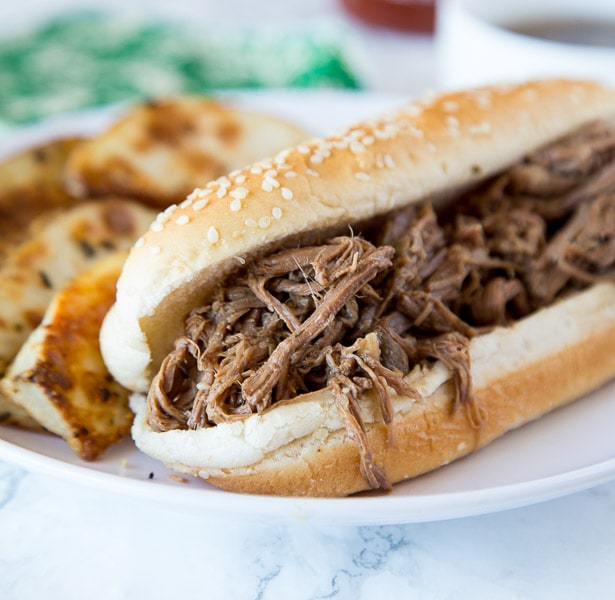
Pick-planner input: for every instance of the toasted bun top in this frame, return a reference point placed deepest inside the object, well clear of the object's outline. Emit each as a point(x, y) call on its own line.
point(428, 147)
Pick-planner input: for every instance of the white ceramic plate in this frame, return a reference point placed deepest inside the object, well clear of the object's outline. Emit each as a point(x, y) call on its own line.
point(567, 451)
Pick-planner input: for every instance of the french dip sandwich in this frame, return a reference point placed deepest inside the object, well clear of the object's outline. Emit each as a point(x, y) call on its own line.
point(367, 307)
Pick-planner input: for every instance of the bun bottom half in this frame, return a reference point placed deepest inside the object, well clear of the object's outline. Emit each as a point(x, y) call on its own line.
point(519, 373)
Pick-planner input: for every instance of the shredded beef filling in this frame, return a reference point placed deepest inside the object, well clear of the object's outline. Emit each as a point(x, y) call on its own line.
point(359, 312)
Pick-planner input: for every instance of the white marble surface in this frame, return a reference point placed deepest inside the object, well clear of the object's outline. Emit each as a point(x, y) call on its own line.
point(60, 539)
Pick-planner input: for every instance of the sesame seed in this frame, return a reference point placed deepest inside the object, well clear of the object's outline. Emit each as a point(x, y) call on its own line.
point(290, 174)
point(198, 193)
point(240, 179)
point(428, 98)
point(316, 158)
point(139, 242)
point(241, 260)
point(250, 223)
point(186, 203)
point(379, 161)
point(362, 176)
point(504, 88)
point(156, 226)
point(266, 165)
point(200, 204)
point(221, 192)
point(276, 212)
point(239, 193)
point(271, 173)
point(388, 161)
point(264, 222)
point(483, 100)
point(312, 172)
point(356, 147)
point(484, 127)
point(224, 182)
point(194, 193)
point(387, 131)
point(368, 140)
point(303, 149)
point(212, 235)
point(287, 194)
point(267, 184)
point(414, 110)
point(182, 220)
point(450, 106)
point(235, 205)
point(155, 249)
point(163, 216)
point(282, 156)
point(452, 121)
point(256, 170)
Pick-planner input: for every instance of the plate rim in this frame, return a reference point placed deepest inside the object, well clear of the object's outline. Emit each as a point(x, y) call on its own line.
point(400, 509)
point(374, 511)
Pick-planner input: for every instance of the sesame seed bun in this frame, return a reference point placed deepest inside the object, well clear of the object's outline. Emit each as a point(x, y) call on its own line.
point(302, 448)
point(426, 149)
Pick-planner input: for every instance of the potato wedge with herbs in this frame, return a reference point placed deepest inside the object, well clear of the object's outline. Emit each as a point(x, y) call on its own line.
point(59, 376)
point(32, 185)
point(53, 254)
point(161, 150)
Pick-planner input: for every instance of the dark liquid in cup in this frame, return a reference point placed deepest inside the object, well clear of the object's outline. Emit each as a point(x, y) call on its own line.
point(570, 31)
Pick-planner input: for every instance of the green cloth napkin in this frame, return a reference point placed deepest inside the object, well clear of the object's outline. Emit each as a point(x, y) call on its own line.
point(90, 59)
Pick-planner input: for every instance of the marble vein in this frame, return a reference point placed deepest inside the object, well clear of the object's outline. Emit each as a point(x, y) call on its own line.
point(10, 478)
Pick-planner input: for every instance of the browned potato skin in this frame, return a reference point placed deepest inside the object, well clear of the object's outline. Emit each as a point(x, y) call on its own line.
point(31, 186)
point(59, 376)
point(33, 197)
point(55, 251)
point(159, 151)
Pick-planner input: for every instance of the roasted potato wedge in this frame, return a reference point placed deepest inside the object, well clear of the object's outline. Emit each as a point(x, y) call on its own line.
point(59, 376)
point(54, 254)
point(160, 151)
point(31, 185)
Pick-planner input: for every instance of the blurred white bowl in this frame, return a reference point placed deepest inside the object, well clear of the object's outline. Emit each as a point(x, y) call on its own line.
point(476, 44)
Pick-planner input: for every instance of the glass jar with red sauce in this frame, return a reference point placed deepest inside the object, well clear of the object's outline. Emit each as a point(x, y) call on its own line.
point(405, 15)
